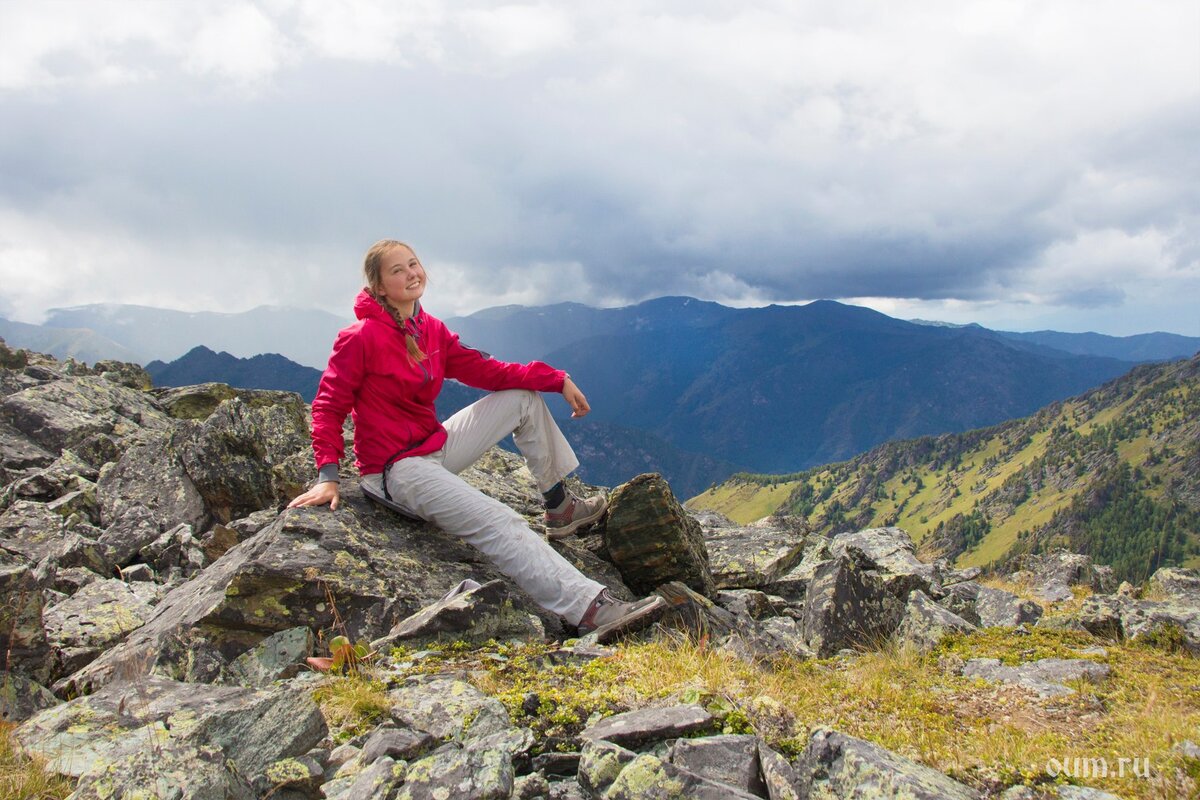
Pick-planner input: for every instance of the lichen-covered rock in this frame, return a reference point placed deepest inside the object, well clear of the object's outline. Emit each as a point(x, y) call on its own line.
point(22, 635)
point(1049, 572)
point(195, 402)
point(252, 728)
point(179, 770)
point(448, 709)
point(300, 774)
point(376, 782)
point(401, 744)
point(890, 552)
point(252, 452)
point(1118, 617)
point(1045, 677)
point(648, 777)
point(925, 622)
point(469, 613)
point(68, 473)
point(732, 760)
point(277, 657)
point(21, 698)
point(600, 762)
point(754, 555)
point(652, 540)
point(531, 787)
point(998, 608)
point(834, 765)
point(470, 773)
point(848, 604)
point(777, 775)
point(96, 617)
point(62, 413)
point(750, 602)
point(634, 728)
point(18, 455)
point(375, 565)
point(150, 480)
point(1176, 584)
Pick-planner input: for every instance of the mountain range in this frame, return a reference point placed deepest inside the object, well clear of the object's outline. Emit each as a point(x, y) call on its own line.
point(686, 386)
point(1113, 472)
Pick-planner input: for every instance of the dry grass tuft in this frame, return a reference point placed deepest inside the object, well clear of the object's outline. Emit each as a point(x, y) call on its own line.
point(22, 778)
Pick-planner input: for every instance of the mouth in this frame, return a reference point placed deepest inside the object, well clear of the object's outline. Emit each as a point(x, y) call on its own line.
point(414, 285)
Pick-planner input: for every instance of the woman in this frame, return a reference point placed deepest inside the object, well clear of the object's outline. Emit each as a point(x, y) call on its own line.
point(387, 369)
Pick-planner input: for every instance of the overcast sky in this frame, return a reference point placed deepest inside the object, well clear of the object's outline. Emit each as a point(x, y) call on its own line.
point(1024, 165)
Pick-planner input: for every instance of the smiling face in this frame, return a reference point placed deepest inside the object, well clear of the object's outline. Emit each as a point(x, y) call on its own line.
point(401, 279)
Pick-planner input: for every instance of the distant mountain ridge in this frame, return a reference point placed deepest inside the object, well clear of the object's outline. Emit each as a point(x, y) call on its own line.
point(80, 344)
point(267, 371)
point(1113, 472)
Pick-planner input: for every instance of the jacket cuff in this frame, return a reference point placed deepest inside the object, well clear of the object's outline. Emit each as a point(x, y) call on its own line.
point(328, 472)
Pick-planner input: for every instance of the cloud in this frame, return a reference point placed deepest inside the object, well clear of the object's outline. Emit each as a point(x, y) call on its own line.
point(952, 156)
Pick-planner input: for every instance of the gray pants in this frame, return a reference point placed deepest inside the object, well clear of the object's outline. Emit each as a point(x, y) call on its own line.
point(429, 487)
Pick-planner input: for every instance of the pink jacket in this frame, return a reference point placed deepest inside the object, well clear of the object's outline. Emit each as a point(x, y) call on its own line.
point(371, 375)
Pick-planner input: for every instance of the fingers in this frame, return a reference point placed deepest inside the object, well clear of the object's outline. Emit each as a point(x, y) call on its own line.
point(319, 495)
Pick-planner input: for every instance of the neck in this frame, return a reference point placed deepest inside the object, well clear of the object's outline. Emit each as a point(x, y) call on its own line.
point(404, 310)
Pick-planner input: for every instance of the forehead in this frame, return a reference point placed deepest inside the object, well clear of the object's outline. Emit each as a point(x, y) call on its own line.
point(399, 255)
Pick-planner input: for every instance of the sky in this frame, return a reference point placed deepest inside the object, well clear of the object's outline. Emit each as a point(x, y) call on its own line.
point(1023, 165)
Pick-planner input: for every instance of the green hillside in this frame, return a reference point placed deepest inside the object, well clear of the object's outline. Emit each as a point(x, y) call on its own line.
point(1114, 472)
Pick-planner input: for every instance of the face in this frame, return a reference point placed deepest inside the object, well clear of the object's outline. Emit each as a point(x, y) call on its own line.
point(402, 278)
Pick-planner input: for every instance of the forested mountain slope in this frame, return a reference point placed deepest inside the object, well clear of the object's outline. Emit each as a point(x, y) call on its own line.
point(1114, 472)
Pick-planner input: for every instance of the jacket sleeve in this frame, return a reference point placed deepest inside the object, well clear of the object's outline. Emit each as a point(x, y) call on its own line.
point(335, 398)
point(476, 368)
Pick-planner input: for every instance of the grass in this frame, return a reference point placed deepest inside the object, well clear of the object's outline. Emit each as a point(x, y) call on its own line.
point(352, 704)
point(743, 502)
point(918, 705)
point(22, 778)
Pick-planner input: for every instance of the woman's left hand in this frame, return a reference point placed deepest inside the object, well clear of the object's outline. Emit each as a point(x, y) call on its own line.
point(575, 399)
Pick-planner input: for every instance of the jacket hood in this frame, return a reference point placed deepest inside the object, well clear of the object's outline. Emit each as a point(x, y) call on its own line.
point(367, 307)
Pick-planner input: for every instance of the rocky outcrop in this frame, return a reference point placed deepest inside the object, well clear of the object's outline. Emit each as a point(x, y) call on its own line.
point(925, 622)
point(1046, 676)
point(754, 555)
point(1051, 575)
point(652, 540)
point(471, 613)
point(1119, 617)
point(849, 604)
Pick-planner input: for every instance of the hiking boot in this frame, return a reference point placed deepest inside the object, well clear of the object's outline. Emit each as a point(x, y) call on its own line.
point(573, 514)
point(607, 614)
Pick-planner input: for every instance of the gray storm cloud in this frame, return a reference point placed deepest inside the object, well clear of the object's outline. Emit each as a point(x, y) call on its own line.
point(960, 153)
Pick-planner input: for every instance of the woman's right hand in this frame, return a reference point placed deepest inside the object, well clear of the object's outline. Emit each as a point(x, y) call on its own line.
point(319, 495)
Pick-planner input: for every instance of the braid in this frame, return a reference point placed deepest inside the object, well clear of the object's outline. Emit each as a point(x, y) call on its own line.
point(414, 351)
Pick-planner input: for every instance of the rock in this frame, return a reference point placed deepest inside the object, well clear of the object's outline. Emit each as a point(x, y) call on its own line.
point(278, 657)
point(1085, 793)
point(1179, 585)
point(650, 778)
point(794, 584)
point(1045, 676)
point(21, 698)
point(401, 744)
point(777, 775)
point(732, 760)
point(62, 413)
point(754, 555)
point(1062, 569)
point(891, 553)
point(448, 709)
point(652, 540)
point(138, 573)
point(194, 402)
point(469, 613)
point(176, 553)
point(925, 623)
point(22, 636)
point(251, 728)
point(149, 482)
point(1119, 617)
point(998, 608)
point(1188, 748)
point(836, 765)
point(531, 787)
point(377, 567)
point(469, 773)
point(179, 770)
point(18, 455)
point(556, 764)
point(376, 782)
point(301, 774)
point(68, 473)
point(1053, 592)
point(650, 725)
point(252, 452)
point(96, 617)
point(848, 605)
point(750, 602)
point(600, 762)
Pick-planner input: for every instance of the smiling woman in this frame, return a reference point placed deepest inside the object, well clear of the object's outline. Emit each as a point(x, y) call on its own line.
point(388, 369)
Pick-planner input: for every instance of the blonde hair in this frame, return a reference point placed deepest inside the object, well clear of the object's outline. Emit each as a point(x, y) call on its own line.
point(373, 273)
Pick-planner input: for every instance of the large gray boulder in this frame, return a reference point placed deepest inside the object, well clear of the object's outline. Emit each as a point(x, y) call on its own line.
point(849, 605)
point(754, 555)
point(926, 623)
point(1045, 676)
point(1119, 617)
point(634, 728)
point(23, 638)
point(468, 613)
point(892, 554)
point(95, 618)
point(1176, 585)
point(652, 540)
point(63, 413)
point(835, 765)
point(371, 566)
point(252, 729)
